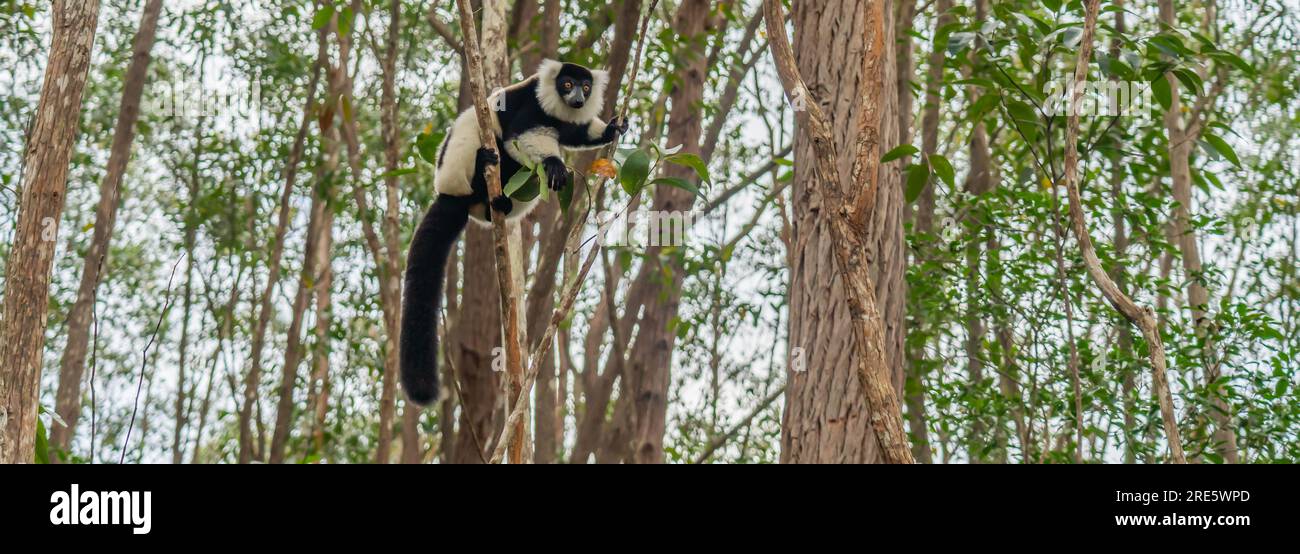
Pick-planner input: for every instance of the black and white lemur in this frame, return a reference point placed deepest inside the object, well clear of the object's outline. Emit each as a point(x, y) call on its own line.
point(555, 108)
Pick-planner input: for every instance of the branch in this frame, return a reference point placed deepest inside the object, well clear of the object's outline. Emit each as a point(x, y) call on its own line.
point(722, 440)
point(505, 281)
point(444, 30)
point(1143, 317)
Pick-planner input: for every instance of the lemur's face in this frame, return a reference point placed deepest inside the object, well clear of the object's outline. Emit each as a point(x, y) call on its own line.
point(574, 85)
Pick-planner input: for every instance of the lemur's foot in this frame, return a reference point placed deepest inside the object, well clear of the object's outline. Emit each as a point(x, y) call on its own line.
point(503, 204)
point(487, 156)
point(557, 174)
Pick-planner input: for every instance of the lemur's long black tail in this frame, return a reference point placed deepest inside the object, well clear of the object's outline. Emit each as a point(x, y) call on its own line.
point(425, 272)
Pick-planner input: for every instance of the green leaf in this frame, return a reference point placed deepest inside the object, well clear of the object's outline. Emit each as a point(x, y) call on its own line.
point(692, 161)
point(517, 182)
point(426, 144)
point(1222, 147)
point(42, 443)
point(1233, 60)
point(397, 173)
point(322, 17)
point(943, 169)
point(900, 152)
point(678, 183)
point(634, 172)
point(1189, 79)
point(346, 17)
point(566, 197)
point(917, 176)
point(1160, 88)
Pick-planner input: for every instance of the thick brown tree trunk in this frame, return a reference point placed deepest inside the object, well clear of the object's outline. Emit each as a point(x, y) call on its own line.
point(827, 419)
point(27, 272)
point(72, 366)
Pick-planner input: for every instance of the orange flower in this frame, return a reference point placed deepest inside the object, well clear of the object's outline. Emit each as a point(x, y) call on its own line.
point(604, 168)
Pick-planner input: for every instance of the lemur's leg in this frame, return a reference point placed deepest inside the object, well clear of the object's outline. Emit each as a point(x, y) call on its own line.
point(502, 203)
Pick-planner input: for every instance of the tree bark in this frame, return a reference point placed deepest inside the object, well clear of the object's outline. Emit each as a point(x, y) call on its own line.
point(44, 184)
point(72, 366)
point(847, 236)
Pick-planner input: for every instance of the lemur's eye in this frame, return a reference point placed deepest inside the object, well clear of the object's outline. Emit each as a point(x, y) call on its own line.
point(568, 85)
point(586, 88)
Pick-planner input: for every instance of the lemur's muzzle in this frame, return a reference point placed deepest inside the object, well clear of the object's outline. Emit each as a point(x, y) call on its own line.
point(576, 99)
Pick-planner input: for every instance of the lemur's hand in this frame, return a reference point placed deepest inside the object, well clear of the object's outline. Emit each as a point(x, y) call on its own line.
point(557, 174)
point(487, 156)
point(616, 127)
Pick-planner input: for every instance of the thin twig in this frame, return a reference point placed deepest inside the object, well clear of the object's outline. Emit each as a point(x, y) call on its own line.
point(144, 357)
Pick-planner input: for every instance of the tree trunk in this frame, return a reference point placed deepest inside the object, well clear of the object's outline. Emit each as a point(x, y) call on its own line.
point(391, 279)
point(651, 356)
point(923, 226)
point(72, 366)
point(1198, 297)
point(294, 351)
point(1128, 384)
point(253, 382)
point(27, 273)
point(827, 418)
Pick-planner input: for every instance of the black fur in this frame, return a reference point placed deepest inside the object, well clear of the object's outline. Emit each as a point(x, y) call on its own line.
point(426, 264)
point(446, 219)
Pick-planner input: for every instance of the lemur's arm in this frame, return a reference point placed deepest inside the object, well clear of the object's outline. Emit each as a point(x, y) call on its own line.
point(595, 134)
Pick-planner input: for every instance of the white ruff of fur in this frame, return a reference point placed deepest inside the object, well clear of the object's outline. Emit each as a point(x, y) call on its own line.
point(556, 107)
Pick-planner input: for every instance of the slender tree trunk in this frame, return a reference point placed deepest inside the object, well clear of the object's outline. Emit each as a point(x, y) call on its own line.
point(44, 183)
point(191, 229)
point(1198, 297)
point(847, 294)
point(72, 366)
point(978, 183)
point(923, 226)
point(391, 279)
point(1128, 385)
point(253, 382)
point(650, 361)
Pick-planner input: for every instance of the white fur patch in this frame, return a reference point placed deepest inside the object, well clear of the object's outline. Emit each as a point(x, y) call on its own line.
point(459, 153)
point(534, 146)
point(554, 105)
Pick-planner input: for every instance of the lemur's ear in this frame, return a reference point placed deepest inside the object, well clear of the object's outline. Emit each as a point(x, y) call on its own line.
point(549, 68)
point(600, 78)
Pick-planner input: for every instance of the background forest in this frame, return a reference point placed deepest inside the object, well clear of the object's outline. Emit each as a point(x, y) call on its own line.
point(245, 177)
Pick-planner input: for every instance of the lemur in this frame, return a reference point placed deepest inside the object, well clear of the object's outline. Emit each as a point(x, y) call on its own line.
point(555, 108)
